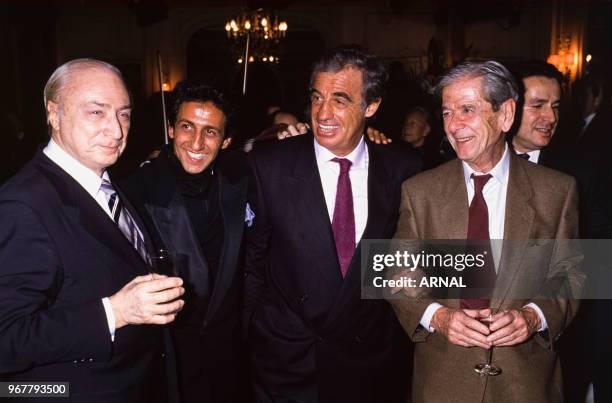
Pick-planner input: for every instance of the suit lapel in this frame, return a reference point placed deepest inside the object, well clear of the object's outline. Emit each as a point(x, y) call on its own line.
point(454, 212)
point(167, 214)
point(305, 193)
point(102, 228)
point(175, 227)
point(148, 240)
point(379, 194)
point(379, 202)
point(232, 198)
point(379, 184)
point(518, 224)
point(112, 244)
point(454, 204)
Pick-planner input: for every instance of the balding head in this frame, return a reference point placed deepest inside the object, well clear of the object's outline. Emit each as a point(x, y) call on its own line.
point(88, 111)
point(64, 74)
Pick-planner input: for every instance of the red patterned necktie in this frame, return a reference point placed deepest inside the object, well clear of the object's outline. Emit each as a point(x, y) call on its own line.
point(481, 282)
point(343, 222)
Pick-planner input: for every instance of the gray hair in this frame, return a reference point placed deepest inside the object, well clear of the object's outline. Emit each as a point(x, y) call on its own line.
point(61, 77)
point(498, 85)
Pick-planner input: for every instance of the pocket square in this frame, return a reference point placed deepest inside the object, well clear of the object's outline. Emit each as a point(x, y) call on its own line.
point(249, 215)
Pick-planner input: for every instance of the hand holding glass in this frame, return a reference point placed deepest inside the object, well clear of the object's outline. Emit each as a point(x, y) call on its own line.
point(488, 369)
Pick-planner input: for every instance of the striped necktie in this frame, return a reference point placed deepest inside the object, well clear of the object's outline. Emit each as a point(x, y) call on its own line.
point(123, 219)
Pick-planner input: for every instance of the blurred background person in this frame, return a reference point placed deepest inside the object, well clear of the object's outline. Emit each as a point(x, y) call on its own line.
point(418, 131)
point(416, 127)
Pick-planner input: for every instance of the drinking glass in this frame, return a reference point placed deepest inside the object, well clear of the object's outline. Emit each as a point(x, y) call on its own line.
point(168, 263)
point(488, 369)
point(160, 262)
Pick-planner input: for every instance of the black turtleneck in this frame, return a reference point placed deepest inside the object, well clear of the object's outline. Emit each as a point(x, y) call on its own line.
point(201, 194)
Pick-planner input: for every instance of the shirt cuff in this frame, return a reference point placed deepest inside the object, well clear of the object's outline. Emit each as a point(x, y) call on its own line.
point(110, 317)
point(543, 323)
point(428, 314)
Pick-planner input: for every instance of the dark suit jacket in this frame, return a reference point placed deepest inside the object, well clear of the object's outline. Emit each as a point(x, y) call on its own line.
point(213, 349)
point(311, 336)
point(554, 156)
point(587, 340)
point(595, 137)
point(60, 254)
point(541, 207)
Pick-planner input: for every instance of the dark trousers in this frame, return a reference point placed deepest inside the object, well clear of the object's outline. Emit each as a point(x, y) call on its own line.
point(210, 368)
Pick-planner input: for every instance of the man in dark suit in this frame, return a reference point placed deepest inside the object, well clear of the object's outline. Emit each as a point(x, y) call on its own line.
point(586, 349)
point(592, 105)
point(585, 158)
point(77, 303)
point(311, 337)
point(538, 113)
point(194, 197)
point(489, 193)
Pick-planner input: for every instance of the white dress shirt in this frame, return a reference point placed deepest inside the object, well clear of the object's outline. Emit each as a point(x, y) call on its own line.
point(494, 193)
point(91, 182)
point(329, 172)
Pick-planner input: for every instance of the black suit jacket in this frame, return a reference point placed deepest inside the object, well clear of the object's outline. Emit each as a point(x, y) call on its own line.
point(213, 349)
point(311, 336)
point(60, 254)
point(587, 336)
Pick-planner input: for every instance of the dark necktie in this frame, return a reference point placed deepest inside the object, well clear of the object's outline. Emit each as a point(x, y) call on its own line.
point(480, 282)
point(123, 219)
point(524, 156)
point(343, 222)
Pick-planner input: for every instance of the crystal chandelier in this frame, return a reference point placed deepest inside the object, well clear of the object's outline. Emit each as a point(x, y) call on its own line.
point(564, 60)
point(258, 32)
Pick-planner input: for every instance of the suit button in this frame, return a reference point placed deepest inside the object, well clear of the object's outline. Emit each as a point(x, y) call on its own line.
point(163, 355)
point(304, 298)
point(358, 339)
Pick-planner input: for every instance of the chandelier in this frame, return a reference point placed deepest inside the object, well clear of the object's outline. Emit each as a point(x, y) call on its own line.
point(258, 32)
point(564, 59)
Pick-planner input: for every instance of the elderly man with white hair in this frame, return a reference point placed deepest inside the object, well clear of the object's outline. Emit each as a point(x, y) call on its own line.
point(77, 301)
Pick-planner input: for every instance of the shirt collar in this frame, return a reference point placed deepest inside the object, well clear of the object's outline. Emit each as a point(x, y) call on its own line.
point(357, 156)
point(87, 178)
point(534, 155)
point(499, 172)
